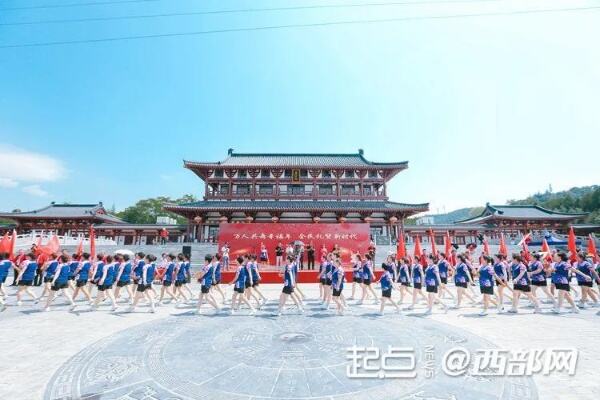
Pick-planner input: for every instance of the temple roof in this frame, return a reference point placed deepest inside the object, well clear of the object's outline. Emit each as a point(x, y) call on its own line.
point(520, 212)
point(298, 160)
point(66, 211)
point(283, 205)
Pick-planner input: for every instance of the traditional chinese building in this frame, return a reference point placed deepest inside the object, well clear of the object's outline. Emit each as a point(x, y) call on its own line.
point(317, 188)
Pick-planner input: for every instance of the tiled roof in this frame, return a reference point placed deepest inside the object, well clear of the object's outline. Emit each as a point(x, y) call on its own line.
point(326, 160)
point(128, 226)
point(297, 206)
point(66, 211)
point(521, 212)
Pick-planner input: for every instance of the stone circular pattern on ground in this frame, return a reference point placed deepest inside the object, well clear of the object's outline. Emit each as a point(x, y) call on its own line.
point(290, 357)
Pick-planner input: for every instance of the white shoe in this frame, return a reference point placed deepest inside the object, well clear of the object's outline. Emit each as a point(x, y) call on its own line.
point(152, 310)
point(231, 312)
point(398, 310)
point(46, 309)
point(427, 312)
point(555, 310)
point(131, 309)
point(91, 302)
point(252, 312)
point(381, 313)
point(19, 303)
point(301, 310)
point(513, 311)
point(410, 307)
point(73, 307)
point(2, 307)
point(483, 313)
point(114, 308)
point(575, 310)
point(198, 311)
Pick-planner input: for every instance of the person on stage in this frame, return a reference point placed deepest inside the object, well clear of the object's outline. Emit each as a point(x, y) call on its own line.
point(538, 277)
point(279, 254)
point(521, 284)
point(585, 280)
point(462, 278)
point(264, 253)
point(60, 282)
point(205, 279)
point(239, 282)
point(289, 284)
point(225, 256)
point(105, 284)
point(368, 276)
point(386, 281)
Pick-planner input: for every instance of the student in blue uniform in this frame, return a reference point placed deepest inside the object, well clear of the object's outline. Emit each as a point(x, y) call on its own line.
point(368, 276)
point(462, 278)
point(325, 278)
point(82, 275)
point(337, 285)
point(501, 274)
point(521, 284)
point(537, 274)
point(205, 277)
point(298, 293)
point(123, 278)
point(48, 271)
point(487, 278)
point(145, 282)
point(386, 281)
point(73, 264)
point(289, 284)
point(560, 278)
point(254, 290)
point(356, 274)
point(167, 280)
point(417, 280)
point(27, 271)
point(180, 276)
point(433, 282)
point(445, 269)
point(105, 283)
point(60, 282)
point(585, 280)
point(5, 265)
point(218, 266)
point(403, 278)
point(138, 267)
point(97, 269)
point(239, 282)
point(188, 276)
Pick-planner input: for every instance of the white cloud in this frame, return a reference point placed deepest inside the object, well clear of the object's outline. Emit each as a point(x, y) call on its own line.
point(8, 183)
point(35, 190)
point(20, 165)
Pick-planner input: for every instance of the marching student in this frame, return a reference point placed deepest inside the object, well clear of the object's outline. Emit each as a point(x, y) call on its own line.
point(167, 279)
point(432, 283)
point(188, 274)
point(73, 265)
point(138, 267)
point(124, 278)
point(538, 277)
point(337, 285)
point(82, 274)
point(462, 278)
point(239, 282)
point(48, 271)
point(560, 278)
point(180, 277)
point(217, 277)
point(288, 286)
point(325, 279)
point(487, 277)
point(97, 270)
point(145, 282)
point(521, 284)
point(5, 265)
point(368, 276)
point(444, 269)
point(298, 293)
point(417, 278)
point(403, 277)
point(60, 282)
point(386, 281)
point(356, 274)
point(205, 278)
point(254, 270)
point(585, 280)
point(27, 270)
point(105, 284)
point(501, 274)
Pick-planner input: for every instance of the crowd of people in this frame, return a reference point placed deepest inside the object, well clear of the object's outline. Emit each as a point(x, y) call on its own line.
point(433, 279)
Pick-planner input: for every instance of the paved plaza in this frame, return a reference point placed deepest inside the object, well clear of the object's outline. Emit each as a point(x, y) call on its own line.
point(176, 354)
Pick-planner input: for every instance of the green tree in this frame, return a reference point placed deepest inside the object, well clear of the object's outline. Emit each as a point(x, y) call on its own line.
point(145, 211)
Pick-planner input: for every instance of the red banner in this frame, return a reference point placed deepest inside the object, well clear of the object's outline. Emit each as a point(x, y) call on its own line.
point(247, 238)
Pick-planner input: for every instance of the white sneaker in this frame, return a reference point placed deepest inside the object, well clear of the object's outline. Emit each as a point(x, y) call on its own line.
point(555, 310)
point(19, 303)
point(73, 307)
point(483, 313)
point(46, 309)
point(2, 307)
point(231, 312)
point(114, 308)
point(252, 312)
point(410, 307)
point(537, 310)
point(301, 310)
point(575, 310)
point(152, 310)
point(198, 311)
point(381, 313)
point(131, 309)
point(427, 312)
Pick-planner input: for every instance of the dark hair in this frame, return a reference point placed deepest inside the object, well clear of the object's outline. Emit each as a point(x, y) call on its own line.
point(126, 257)
point(64, 258)
point(537, 256)
point(218, 256)
point(500, 256)
point(3, 256)
point(488, 258)
point(171, 256)
point(140, 254)
point(75, 255)
point(368, 256)
point(581, 255)
point(563, 256)
point(240, 260)
point(31, 255)
point(109, 258)
point(85, 256)
point(517, 257)
point(208, 257)
point(442, 254)
point(180, 257)
point(461, 257)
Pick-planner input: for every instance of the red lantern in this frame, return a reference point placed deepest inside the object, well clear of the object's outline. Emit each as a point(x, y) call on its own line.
point(198, 219)
point(342, 220)
point(275, 219)
point(249, 219)
point(316, 219)
point(368, 220)
point(393, 220)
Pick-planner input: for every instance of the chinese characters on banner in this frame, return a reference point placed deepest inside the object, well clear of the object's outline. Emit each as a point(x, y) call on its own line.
point(246, 238)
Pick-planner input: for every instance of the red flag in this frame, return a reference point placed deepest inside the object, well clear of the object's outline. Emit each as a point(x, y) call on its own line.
point(38, 246)
point(592, 248)
point(525, 239)
point(526, 253)
point(572, 245)
point(432, 240)
point(503, 249)
point(448, 244)
point(5, 244)
point(79, 251)
point(486, 248)
point(418, 251)
point(401, 252)
point(546, 249)
point(52, 247)
point(13, 245)
point(92, 244)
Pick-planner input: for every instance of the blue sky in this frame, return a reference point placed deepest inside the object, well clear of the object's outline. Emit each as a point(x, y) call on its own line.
point(484, 108)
